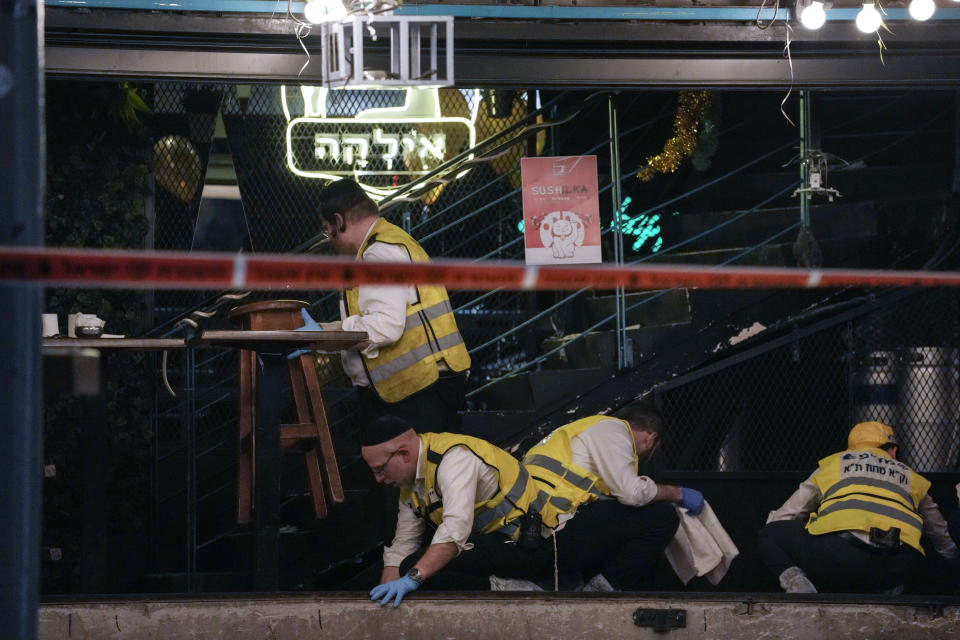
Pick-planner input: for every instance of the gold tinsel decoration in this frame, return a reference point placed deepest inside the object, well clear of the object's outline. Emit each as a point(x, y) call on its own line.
point(691, 109)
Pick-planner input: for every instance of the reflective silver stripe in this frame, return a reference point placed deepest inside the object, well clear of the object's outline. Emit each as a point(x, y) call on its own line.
point(542, 499)
point(550, 464)
point(516, 491)
point(539, 501)
point(435, 311)
point(555, 466)
point(888, 486)
point(481, 520)
point(413, 357)
point(432, 313)
point(505, 506)
point(560, 503)
point(879, 509)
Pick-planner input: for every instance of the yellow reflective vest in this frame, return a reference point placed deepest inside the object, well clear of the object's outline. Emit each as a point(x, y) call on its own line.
point(516, 493)
point(551, 463)
point(429, 336)
point(867, 488)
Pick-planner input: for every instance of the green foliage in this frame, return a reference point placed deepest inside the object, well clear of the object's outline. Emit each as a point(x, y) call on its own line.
point(98, 176)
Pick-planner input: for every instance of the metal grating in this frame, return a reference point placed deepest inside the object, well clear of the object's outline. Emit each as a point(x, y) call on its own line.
point(787, 408)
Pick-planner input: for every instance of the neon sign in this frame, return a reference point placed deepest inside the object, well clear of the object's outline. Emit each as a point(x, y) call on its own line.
point(642, 228)
point(354, 150)
point(376, 147)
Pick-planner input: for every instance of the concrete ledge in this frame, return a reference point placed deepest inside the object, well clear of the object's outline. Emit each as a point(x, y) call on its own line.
point(512, 616)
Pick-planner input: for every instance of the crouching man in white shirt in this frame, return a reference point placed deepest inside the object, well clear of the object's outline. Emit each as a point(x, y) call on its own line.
point(472, 497)
point(612, 523)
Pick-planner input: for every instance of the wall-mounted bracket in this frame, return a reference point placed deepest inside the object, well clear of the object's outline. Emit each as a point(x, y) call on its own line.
point(421, 51)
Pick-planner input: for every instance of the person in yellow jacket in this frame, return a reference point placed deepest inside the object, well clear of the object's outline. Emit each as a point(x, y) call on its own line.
point(612, 522)
point(415, 363)
point(854, 526)
point(468, 496)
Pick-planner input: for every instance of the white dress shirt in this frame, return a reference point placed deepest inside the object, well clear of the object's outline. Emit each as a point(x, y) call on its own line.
point(606, 450)
point(463, 479)
point(383, 311)
point(807, 497)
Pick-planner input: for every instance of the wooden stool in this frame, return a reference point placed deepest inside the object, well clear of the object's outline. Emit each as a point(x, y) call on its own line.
point(310, 435)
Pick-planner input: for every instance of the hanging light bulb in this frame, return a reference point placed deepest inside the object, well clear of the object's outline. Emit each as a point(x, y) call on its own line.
point(922, 9)
point(317, 11)
point(868, 20)
point(812, 15)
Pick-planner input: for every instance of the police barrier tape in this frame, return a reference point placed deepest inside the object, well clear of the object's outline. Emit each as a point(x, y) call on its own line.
point(176, 270)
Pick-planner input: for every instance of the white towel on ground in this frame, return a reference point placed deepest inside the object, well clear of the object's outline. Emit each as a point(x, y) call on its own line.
point(701, 547)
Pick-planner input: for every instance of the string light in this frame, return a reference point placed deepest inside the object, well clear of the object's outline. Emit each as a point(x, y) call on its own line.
point(868, 20)
point(922, 9)
point(812, 15)
point(317, 11)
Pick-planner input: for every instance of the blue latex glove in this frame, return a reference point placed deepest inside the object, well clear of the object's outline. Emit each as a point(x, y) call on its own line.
point(691, 500)
point(309, 324)
point(393, 590)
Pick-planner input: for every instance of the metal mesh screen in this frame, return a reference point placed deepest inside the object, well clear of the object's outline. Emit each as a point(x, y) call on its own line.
point(779, 409)
point(785, 409)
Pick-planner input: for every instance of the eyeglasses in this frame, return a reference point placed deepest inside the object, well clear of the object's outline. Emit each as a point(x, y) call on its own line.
point(378, 471)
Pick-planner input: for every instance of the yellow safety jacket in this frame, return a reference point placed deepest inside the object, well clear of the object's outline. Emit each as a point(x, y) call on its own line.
point(551, 463)
point(867, 488)
point(516, 492)
point(429, 336)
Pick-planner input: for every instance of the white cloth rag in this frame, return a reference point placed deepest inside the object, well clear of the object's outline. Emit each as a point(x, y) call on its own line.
point(701, 547)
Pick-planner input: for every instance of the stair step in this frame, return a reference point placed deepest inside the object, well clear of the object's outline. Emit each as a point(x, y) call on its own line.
point(771, 255)
point(590, 351)
point(837, 252)
point(551, 386)
point(510, 394)
point(496, 426)
point(828, 221)
point(644, 308)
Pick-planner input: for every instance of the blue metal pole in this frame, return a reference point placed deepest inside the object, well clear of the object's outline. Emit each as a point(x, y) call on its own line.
point(21, 223)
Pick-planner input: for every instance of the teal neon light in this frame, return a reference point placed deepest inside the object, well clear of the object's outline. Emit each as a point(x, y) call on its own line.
point(641, 228)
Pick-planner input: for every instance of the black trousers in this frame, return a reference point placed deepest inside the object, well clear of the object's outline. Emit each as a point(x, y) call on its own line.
point(833, 563)
point(492, 554)
point(623, 543)
point(433, 409)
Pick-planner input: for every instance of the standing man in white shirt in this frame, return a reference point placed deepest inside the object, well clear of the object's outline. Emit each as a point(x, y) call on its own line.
point(622, 520)
point(415, 363)
point(471, 495)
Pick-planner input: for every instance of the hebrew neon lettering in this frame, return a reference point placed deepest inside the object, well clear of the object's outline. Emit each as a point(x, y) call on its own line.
point(391, 142)
point(321, 144)
point(361, 144)
point(378, 146)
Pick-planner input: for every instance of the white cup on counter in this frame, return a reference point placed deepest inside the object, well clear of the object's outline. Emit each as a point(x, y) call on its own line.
point(51, 325)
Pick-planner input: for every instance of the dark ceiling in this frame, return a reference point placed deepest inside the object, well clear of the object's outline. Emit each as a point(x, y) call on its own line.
point(516, 53)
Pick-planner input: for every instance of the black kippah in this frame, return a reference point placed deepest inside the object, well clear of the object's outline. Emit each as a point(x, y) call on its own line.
point(383, 429)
